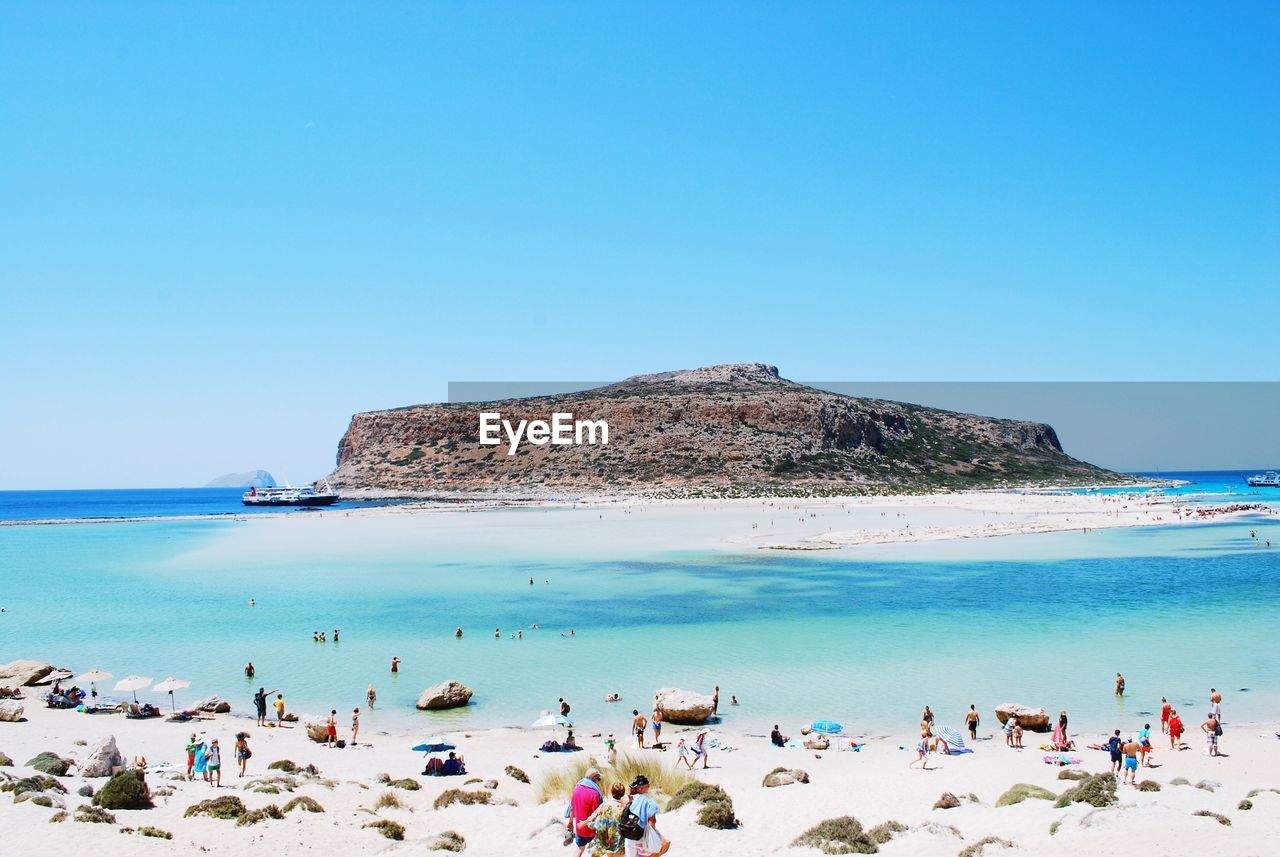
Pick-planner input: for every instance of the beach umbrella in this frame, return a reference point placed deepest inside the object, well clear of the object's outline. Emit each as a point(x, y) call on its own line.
point(435, 744)
point(952, 736)
point(168, 686)
point(550, 720)
point(829, 726)
point(92, 676)
point(133, 683)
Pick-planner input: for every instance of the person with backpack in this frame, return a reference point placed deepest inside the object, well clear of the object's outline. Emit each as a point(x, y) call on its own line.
point(1116, 747)
point(639, 823)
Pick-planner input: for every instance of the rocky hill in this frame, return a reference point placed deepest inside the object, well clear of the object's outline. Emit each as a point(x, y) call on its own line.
point(735, 429)
point(248, 479)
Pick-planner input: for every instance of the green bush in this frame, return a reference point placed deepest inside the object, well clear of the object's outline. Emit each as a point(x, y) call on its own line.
point(1072, 774)
point(843, 835)
point(388, 799)
point(388, 828)
point(253, 816)
point(126, 790)
point(94, 815)
point(49, 763)
point(1019, 792)
point(5, 761)
point(1148, 786)
point(286, 765)
point(154, 832)
point(696, 791)
point(1097, 790)
point(452, 796)
point(882, 833)
point(1245, 804)
point(60, 815)
point(226, 808)
point(718, 815)
point(303, 803)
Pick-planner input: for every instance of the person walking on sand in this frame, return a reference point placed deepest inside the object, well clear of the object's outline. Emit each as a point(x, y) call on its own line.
point(1119, 684)
point(651, 842)
point(638, 724)
point(202, 759)
point(656, 721)
point(922, 753)
point(1115, 747)
point(355, 725)
point(279, 704)
point(583, 803)
point(1212, 729)
point(191, 756)
point(331, 726)
point(1215, 704)
point(700, 749)
point(604, 821)
point(682, 754)
point(1175, 730)
point(971, 720)
point(214, 764)
point(243, 753)
point(1165, 708)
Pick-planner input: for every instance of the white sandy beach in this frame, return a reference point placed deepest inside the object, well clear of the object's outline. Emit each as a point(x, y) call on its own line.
point(874, 784)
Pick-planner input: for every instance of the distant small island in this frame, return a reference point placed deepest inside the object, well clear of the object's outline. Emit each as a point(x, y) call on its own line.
point(248, 479)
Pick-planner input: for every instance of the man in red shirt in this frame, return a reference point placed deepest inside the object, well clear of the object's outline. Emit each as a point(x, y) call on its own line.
point(586, 799)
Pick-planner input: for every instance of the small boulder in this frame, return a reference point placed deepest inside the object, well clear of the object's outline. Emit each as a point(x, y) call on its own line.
point(214, 705)
point(817, 742)
point(447, 694)
point(784, 777)
point(490, 784)
point(684, 707)
point(101, 759)
point(10, 711)
point(1033, 719)
point(49, 763)
point(23, 673)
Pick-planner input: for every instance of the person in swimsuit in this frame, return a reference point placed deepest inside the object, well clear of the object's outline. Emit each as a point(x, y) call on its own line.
point(279, 704)
point(1165, 708)
point(715, 702)
point(1119, 685)
point(1210, 729)
point(355, 725)
point(1115, 747)
point(1130, 750)
point(971, 720)
point(922, 753)
point(1175, 730)
point(638, 724)
point(332, 728)
point(371, 696)
point(657, 725)
point(1144, 743)
point(243, 753)
point(395, 665)
point(191, 756)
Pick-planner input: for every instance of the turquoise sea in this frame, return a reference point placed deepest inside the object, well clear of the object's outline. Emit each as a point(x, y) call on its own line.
point(866, 636)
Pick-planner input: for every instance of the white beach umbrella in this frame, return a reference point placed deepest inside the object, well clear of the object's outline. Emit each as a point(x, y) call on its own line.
point(133, 683)
point(168, 686)
point(93, 675)
point(550, 720)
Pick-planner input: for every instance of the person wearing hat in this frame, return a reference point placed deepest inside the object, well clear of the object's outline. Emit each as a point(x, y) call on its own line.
point(645, 809)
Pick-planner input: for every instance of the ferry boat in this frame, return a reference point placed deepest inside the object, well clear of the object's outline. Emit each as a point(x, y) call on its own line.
point(1270, 479)
point(290, 496)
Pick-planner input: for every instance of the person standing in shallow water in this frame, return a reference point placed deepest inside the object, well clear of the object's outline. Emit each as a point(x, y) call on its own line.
point(395, 665)
point(1119, 684)
point(971, 720)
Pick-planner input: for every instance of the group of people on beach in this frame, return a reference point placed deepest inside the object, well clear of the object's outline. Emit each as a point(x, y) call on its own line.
point(625, 821)
point(205, 757)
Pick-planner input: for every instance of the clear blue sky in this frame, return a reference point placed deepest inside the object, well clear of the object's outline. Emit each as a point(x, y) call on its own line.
point(227, 227)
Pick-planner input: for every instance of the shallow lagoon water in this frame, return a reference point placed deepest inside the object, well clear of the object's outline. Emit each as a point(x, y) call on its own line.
point(866, 636)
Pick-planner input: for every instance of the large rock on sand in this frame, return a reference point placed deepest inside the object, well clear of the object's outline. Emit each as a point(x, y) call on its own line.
point(101, 759)
point(447, 694)
point(1035, 719)
point(23, 673)
point(214, 705)
point(683, 707)
point(317, 730)
point(10, 711)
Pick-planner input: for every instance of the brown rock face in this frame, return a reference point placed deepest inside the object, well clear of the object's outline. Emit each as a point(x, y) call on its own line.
point(734, 429)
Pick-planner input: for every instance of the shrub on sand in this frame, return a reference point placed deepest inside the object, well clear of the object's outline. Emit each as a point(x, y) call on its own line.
point(388, 800)
point(1097, 790)
point(882, 833)
point(663, 781)
point(126, 790)
point(253, 816)
point(225, 807)
point(450, 840)
point(94, 814)
point(1019, 792)
point(388, 828)
point(975, 850)
point(843, 835)
point(408, 784)
point(286, 765)
point(451, 796)
point(154, 832)
point(516, 774)
point(1148, 786)
point(304, 803)
point(1221, 819)
point(1245, 804)
point(1072, 774)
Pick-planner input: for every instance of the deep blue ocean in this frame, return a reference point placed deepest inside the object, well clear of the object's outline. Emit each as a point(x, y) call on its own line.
point(139, 503)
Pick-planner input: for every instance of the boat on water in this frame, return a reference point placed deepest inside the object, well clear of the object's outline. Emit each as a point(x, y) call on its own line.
point(1270, 479)
point(289, 496)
